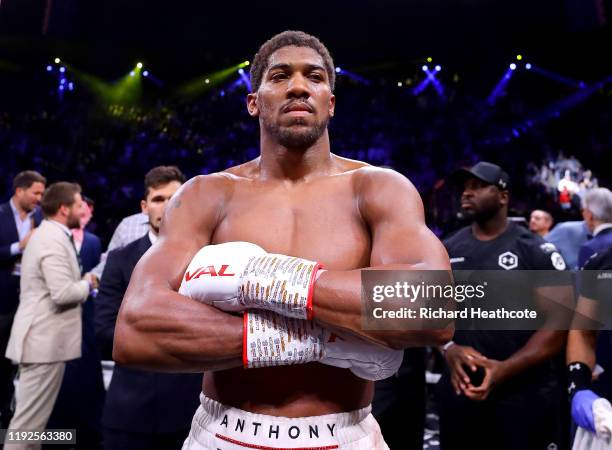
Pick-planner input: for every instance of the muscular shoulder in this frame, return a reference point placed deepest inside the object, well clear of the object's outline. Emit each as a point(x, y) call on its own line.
point(384, 192)
point(206, 188)
point(197, 207)
point(369, 179)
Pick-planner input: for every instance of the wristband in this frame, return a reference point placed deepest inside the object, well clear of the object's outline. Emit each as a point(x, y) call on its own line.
point(579, 377)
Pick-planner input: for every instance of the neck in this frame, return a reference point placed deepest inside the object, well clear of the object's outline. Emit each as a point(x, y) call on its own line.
point(278, 161)
point(491, 228)
point(152, 230)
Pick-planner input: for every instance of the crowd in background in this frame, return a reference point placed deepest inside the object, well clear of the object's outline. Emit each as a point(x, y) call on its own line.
point(107, 148)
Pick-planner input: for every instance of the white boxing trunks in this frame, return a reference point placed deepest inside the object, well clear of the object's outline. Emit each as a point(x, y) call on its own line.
point(219, 427)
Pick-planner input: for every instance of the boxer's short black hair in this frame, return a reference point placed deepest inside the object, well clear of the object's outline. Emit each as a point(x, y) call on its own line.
point(285, 39)
point(161, 175)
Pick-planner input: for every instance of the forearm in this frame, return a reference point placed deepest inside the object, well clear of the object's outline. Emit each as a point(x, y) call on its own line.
point(337, 303)
point(542, 345)
point(187, 337)
point(581, 347)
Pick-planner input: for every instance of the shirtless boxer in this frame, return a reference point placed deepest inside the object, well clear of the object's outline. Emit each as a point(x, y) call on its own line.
point(296, 199)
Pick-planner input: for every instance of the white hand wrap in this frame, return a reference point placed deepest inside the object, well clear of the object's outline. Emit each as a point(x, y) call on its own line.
point(279, 283)
point(273, 340)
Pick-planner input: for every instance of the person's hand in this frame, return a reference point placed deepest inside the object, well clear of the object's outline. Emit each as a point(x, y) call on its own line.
point(24, 242)
point(92, 279)
point(494, 374)
point(458, 356)
point(582, 409)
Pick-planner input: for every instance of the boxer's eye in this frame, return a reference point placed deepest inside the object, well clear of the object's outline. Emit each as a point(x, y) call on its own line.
point(279, 76)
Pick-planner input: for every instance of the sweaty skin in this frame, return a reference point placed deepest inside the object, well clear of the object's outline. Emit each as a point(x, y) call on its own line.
point(302, 202)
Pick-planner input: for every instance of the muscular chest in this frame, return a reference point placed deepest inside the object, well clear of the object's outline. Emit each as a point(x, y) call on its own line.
point(318, 220)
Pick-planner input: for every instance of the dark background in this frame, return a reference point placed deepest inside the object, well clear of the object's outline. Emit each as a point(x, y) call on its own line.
point(424, 137)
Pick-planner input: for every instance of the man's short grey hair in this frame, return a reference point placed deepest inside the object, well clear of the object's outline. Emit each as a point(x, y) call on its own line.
point(599, 202)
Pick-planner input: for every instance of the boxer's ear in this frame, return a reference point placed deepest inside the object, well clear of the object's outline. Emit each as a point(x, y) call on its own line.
point(252, 107)
point(332, 105)
point(143, 206)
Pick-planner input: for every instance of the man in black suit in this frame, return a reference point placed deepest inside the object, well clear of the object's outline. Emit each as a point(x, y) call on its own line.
point(143, 410)
point(18, 218)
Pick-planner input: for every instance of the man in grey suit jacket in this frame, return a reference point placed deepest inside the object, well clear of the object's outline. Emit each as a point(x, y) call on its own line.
point(46, 331)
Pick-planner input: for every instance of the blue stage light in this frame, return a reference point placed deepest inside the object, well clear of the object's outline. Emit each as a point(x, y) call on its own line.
point(528, 66)
point(49, 68)
point(62, 69)
point(241, 71)
point(132, 73)
point(63, 81)
point(61, 88)
point(425, 68)
point(145, 73)
point(512, 66)
point(438, 68)
point(338, 70)
point(70, 86)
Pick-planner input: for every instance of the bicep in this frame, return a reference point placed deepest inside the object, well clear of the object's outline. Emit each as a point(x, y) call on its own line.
point(394, 212)
point(187, 226)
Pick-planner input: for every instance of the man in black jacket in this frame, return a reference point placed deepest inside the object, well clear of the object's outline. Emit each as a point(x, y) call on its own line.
point(143, 410)
point(18, 218)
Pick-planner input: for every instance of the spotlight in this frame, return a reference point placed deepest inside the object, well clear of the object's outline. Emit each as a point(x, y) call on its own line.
point(49, 68)
point(70, 86)
point(241, 71)
point(63, 81)
point(519, 57)
point(246, 63)
point(139, 65)
point(512, 66)
point(57, 60)
point(62, 69)
point(438, 68)
point(145, 73)
point(429, 59)
point(132, 73)
point(399, 84)
point(338, 70)
point(528, 66)
point(206, 81)
point(425, 68)
point(61, 88)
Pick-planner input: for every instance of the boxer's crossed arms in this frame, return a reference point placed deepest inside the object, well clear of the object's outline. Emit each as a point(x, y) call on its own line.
point(275, 235)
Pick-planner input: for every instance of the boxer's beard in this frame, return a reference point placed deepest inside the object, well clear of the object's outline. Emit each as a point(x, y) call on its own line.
point(293, 138)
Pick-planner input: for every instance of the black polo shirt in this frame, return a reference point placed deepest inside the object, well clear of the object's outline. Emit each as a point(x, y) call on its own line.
point(515, 249)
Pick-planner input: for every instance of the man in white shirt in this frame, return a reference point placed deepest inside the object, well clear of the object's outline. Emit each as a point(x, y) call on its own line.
point(129, 229)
